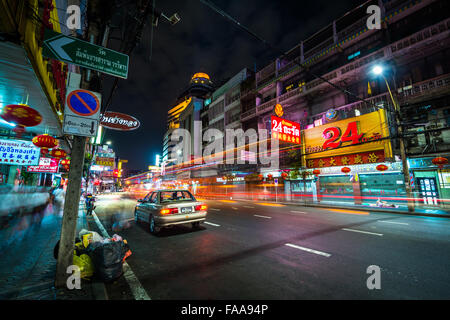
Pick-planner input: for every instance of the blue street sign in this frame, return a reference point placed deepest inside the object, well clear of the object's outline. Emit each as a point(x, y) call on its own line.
point(83, 103)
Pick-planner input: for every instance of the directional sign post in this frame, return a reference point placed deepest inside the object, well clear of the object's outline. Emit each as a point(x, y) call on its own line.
point(75, 51)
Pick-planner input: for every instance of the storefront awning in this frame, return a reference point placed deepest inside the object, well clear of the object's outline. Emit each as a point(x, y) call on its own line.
point(19, 84)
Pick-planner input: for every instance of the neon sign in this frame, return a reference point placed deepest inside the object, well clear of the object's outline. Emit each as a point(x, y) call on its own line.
point(285, 130)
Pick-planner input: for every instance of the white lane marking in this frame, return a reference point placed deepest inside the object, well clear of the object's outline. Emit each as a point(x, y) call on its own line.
point(266, 217)
point(214, 209)
point(136, 287)
point(360, 231)
point(249, 207)
point(406, 224)
point(308, 250)
point(212, 224)
point(298, 211)
point(234, 208)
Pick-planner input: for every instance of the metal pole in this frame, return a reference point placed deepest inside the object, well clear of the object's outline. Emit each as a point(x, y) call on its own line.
point(409, 194)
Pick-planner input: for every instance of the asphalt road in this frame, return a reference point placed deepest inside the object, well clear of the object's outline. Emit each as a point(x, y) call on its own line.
point(249, 250)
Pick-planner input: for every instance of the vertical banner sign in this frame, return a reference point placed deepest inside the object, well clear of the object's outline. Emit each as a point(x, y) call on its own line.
point(285, 130)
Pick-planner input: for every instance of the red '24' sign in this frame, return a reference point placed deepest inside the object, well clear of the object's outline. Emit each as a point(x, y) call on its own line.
point(332, 134)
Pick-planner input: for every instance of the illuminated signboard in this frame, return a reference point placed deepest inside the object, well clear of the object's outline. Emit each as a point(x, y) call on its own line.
point(357, 140)
point(102, 161)
point(285, 130)
point(19, 152)
point(46, 165)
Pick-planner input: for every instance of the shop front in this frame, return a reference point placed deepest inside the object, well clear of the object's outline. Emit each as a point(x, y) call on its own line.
point(352, 162)
point(430, 184)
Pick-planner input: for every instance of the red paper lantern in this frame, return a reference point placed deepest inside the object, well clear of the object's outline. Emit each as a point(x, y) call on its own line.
point(440, 162)
point(382, 167)
point(58, 153)
point(45, 142)
point(284, 175)
point(260, 176)
point(316, 172)
point(269, 176)
point(22, 115)
point(346, 170)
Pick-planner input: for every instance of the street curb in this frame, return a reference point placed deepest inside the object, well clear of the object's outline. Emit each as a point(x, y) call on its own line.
point(98, 288)
point(370, 209)
point(373, 209)
point(136, 287)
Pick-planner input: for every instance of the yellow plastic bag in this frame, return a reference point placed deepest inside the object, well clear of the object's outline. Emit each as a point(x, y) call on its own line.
point(85, 264)
point(87, 238)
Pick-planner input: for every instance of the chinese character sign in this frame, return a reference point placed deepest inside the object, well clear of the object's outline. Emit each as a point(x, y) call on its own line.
point(357, 140)
point(107, 162)
point(285, 130)
point(19, 152)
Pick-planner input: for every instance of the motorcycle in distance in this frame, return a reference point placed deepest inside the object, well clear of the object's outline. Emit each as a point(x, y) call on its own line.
point(90, 200)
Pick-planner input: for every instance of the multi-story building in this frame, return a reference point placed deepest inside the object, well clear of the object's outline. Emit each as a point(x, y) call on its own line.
point(412, 47)
point(186, 110)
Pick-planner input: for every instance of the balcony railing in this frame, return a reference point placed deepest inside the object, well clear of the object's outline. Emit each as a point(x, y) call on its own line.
point(248, 114)
point(424, 88)
point(266, 106)
point(266, 72)
point(439, 28)
point(290, 94)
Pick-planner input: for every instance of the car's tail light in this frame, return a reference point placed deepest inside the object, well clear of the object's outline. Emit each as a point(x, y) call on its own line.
point(169, 211)
point(201, 207)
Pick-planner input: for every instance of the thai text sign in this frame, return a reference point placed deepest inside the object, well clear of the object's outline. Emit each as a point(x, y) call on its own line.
point(85, 54)
point(358, 135)
point(119, 121)
point(285, 130)
point(107, 162)
point(19, 152)
point(46, 165)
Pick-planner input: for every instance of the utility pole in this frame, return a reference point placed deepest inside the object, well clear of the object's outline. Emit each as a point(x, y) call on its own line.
point(71, 204)
point(378, 70)
point(402, 147)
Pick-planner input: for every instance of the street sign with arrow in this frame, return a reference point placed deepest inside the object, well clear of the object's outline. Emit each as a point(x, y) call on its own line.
point(82, 112)
point(75, 51)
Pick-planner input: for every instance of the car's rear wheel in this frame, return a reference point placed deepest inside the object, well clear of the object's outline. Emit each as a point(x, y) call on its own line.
point(196, 225)
point(153, 228)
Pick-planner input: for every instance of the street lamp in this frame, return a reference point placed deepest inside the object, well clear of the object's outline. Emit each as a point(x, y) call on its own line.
point(378, 71)
point(108, 142)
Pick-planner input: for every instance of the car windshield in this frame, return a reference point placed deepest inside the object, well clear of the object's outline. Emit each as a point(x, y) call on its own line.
point(170, 196)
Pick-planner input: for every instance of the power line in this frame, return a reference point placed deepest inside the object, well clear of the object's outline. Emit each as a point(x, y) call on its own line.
point(282, 54)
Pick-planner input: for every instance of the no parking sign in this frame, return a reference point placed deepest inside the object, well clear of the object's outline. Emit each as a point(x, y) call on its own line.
point(82, 112)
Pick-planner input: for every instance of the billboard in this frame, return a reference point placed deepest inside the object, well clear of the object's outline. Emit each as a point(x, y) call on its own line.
point(19, 152)
point(357, 140)
point(285, 130)
point(104, 161)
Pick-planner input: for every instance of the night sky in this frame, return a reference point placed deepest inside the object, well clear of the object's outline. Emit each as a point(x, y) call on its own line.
point(204, 41)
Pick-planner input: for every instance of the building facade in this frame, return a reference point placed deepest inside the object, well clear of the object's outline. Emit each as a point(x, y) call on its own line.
point(412, 47)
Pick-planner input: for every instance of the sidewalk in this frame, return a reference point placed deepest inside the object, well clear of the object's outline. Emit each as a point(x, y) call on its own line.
point(403, 209)
point(27, 270)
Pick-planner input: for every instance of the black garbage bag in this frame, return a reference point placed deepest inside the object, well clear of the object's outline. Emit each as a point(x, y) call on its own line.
point(107, 259)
